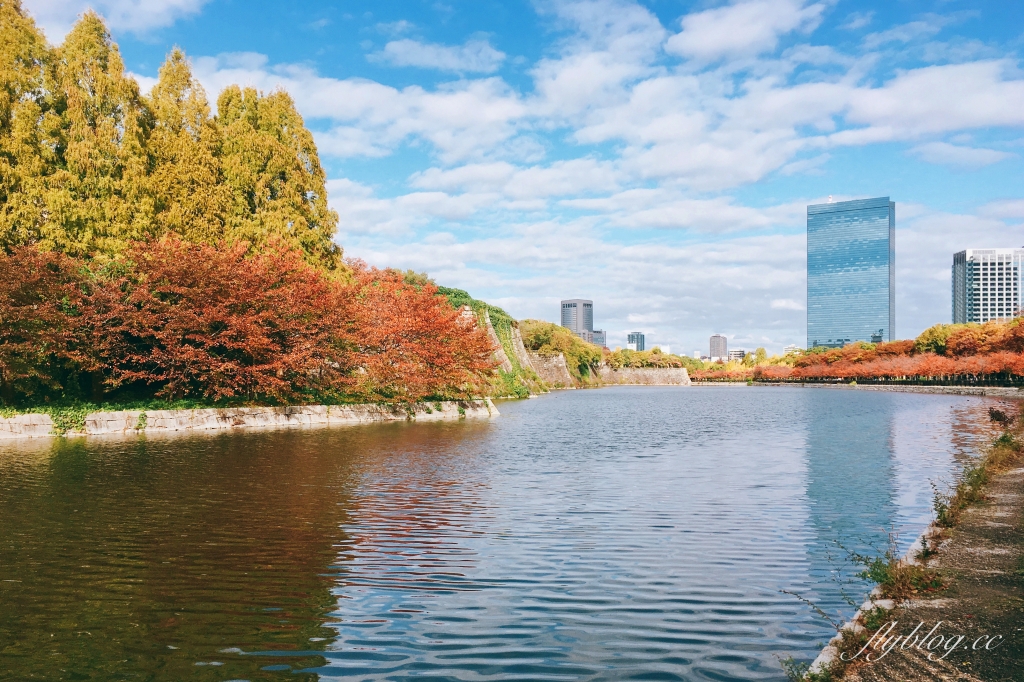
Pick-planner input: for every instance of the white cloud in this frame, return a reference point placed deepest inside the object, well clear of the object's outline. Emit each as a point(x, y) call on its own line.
point(957, 156)
point(937, 99)
point(460, 120)
point(857, 20)
point(1004, 210)
point(575, 176)
point(787, 304)
point(57, 16)
point(906, 33)
point(475, 56)
point(742, 29)
point(666, 208)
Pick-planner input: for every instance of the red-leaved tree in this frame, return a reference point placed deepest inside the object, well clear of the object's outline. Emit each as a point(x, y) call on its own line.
point(41, 339)
point(204, 321)
point(411, 343)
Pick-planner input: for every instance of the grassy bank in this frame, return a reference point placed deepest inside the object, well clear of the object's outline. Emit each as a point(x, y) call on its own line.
point(935, 568)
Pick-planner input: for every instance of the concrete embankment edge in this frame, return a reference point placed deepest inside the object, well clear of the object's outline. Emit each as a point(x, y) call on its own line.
point(167, 421)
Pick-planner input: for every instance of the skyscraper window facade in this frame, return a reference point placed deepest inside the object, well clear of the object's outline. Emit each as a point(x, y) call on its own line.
point(988, 284)
point(851, 272)
point(635, 341)
point(578, 317)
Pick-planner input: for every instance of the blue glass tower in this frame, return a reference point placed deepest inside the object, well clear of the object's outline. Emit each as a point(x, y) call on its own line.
point(851, 272)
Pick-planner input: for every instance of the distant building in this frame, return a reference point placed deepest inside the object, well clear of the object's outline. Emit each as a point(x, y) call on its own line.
point(988, 284)
point(719, 347)
point(667, 350)
point(737, 354)
point(635, 341)
point(578, 317)
point(851, 272)
point(600, 337)
point(791, 348)
point(696, 354)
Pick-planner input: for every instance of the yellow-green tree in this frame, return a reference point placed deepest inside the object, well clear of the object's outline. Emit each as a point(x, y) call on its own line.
point(88, 165)
point(190, 195)
point(277, 184)
point(23, 163)
point(97, 198)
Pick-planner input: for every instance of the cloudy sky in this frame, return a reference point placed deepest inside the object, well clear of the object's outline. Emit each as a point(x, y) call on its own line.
point(656, 157)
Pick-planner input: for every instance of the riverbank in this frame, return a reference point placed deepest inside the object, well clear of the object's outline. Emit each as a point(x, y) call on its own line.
point(167, 421)
point(972, 628)
point(989, 391)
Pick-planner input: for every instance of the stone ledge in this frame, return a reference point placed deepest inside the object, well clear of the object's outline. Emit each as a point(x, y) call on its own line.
point(166, 421)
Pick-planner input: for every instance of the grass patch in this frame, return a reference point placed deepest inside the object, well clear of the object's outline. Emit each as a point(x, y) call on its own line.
point(950, 504)
point(898, 580)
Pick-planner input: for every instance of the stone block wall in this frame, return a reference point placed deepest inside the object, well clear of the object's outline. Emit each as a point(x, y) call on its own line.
point(167, 421)
point(552, 370)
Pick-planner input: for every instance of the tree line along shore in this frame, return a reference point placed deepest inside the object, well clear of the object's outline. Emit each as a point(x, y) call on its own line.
point(155, 248)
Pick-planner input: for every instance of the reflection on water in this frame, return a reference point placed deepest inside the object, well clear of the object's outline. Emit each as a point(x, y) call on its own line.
point(627, 533)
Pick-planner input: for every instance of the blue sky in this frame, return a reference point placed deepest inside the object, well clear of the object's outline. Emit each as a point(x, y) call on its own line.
point(656, 157)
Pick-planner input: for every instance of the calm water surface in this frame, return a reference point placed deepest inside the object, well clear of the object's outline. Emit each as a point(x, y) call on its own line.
point(626, 533)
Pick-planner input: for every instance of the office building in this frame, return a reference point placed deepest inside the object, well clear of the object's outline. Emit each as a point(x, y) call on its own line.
point(737, 354)
point(791, 348)
point(635, 341)
point(600, 337)
point(988, 284)
point(719, 347)
point(851, 272)
point(578, 317)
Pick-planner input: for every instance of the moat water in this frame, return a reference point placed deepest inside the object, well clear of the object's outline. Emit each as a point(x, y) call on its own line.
point(617, 534)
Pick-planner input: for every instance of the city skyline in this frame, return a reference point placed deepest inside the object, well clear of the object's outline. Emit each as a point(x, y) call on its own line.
point(664, 153)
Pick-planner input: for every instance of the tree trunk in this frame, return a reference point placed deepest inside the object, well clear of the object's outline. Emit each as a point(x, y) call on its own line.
point(96, 388)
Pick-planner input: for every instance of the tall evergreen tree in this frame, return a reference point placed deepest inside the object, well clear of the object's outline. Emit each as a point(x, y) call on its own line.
point(98, 197)
point(277, 184)
point(188, 186)
point(23, 163)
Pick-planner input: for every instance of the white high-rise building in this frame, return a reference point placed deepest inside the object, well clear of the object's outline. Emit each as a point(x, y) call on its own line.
point(988, 284)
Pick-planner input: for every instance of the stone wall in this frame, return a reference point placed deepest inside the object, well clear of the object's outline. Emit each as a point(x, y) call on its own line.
point(25, 426)
point(166, 421)
point(552, 370)
point(992, 391)
point(500, 356)
point(520, 350)
point(645, 376)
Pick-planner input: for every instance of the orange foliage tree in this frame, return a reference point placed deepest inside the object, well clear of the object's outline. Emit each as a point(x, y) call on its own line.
point(411, 344)
point(204, 321)
point(41, 343)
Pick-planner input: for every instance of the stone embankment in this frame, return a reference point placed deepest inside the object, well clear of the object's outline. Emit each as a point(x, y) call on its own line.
point(982, 563)
point(167, 421)
point(993, 391)
point(551, 369)
point(645, 376)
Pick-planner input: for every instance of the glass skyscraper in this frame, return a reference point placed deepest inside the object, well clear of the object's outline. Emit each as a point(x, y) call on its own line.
point(851, 272)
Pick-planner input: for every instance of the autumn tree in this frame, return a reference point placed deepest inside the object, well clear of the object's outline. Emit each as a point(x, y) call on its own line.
point(278, 188)
point(412, 344)
point(24, 56)
point(193, 320)
point(190, 195)
point(42, 339)
point(97, 197)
